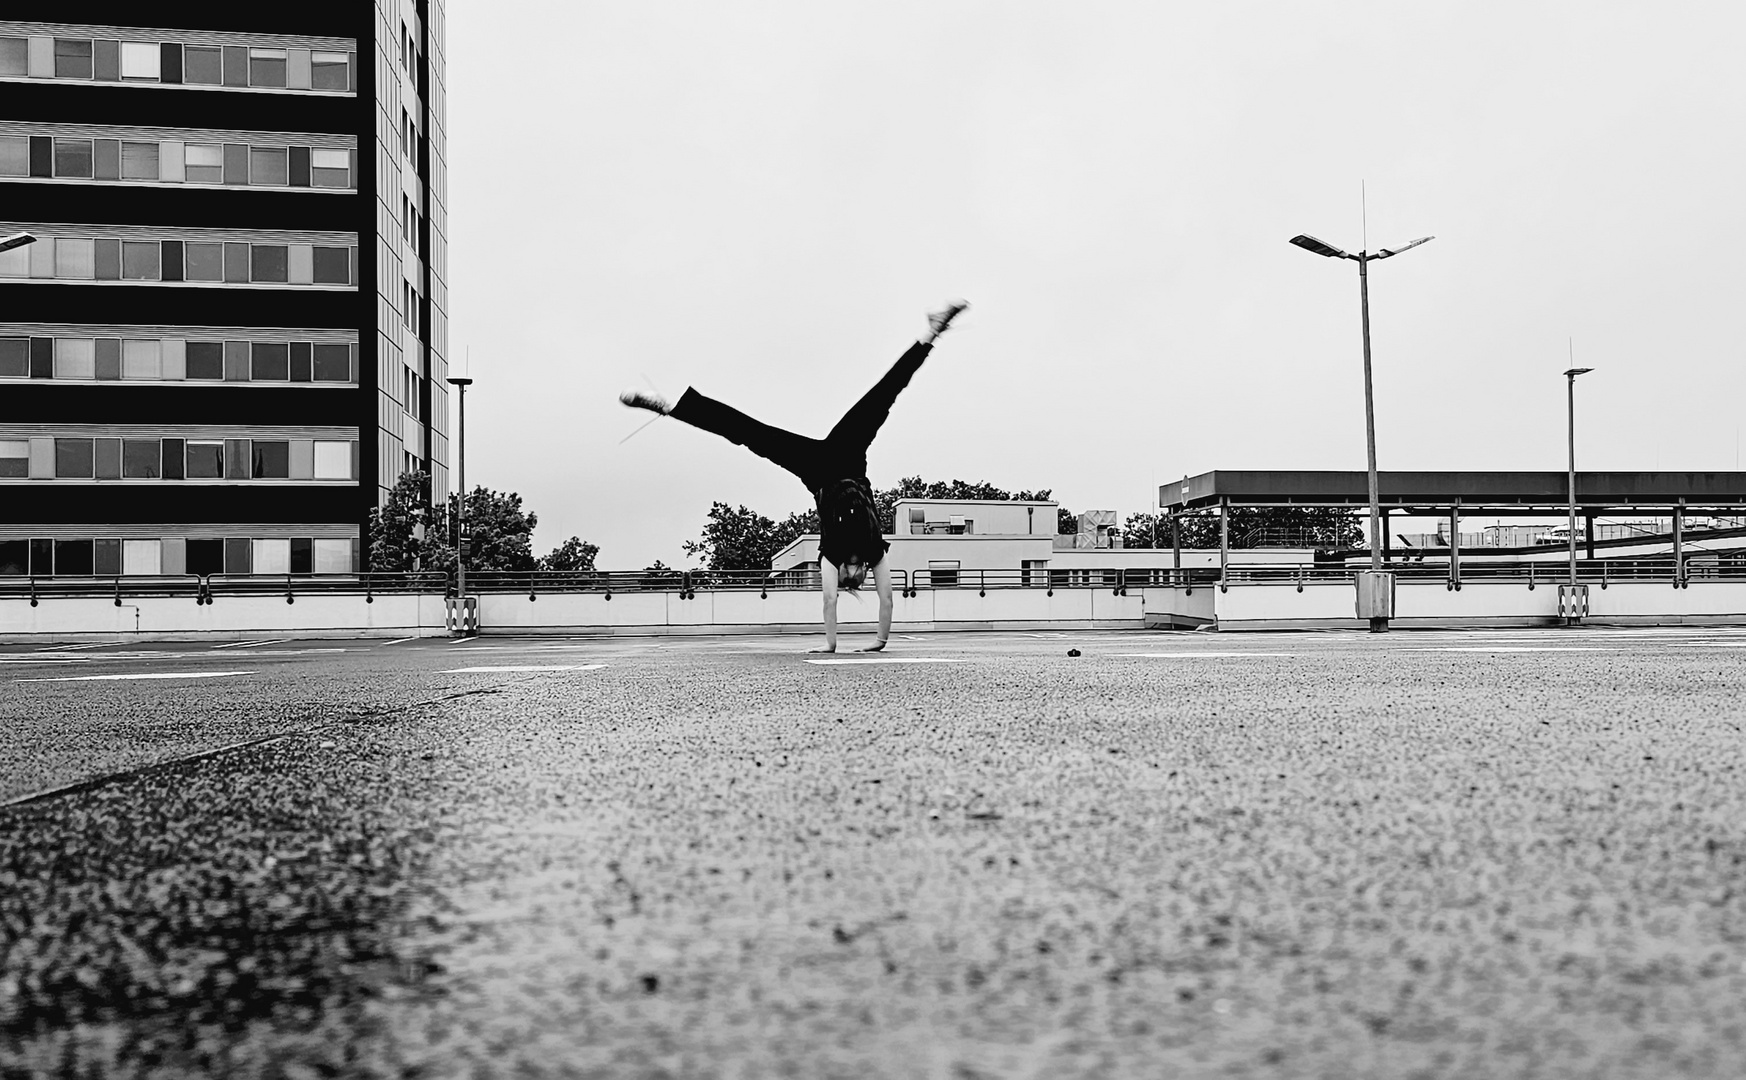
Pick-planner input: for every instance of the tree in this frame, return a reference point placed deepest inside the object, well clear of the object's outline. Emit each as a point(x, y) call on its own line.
point(572, 555)
point(1259, 526)
point(740, 538)
point(398, 527)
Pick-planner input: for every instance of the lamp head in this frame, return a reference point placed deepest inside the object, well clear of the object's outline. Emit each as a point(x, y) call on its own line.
point(1575, 371)
point(460, 380)
point(1386, 252)
point(1320, 247)
point(16, 240)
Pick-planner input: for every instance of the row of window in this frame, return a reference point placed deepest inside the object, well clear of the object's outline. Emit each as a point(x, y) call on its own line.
point(68, 258)
point(176, 360)
point(176, 161)
point(53, 458)
point(172, 63)
point(113, 557)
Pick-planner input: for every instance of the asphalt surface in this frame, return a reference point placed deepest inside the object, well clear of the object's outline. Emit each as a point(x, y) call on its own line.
point(1514, 853)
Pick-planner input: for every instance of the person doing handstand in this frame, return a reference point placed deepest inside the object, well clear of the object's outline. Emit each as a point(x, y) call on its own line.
point(834, 469)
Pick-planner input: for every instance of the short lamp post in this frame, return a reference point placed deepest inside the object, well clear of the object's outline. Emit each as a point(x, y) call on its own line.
point(461, 504)
point(1570, 384)
point(1378, 622)
point(16, 240)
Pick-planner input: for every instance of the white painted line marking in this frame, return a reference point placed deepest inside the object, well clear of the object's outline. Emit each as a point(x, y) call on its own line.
point(1709, 644)
point(520, 667)
point(1197, 655)
point(253, 644)
point(39, 659)
point(894, 660)
point(397, 641)
point(465, 641)
point(71, 648)
point(142, 675)
point(1514, 648)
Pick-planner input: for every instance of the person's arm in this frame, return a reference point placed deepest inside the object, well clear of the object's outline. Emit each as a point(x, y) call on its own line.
point(882, 580)
point(827, 579)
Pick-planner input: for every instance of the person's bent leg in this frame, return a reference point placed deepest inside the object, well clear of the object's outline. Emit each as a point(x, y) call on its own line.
point(882, 580)
point(827, 575)
point(796, 453)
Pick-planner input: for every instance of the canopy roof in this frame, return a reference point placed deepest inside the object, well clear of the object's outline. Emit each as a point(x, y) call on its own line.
point(1525, 493)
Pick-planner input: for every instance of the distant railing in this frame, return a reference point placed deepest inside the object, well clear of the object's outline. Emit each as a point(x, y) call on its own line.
point(204, 588)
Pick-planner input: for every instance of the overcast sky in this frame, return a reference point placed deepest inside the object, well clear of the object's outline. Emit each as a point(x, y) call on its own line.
point(763, 199)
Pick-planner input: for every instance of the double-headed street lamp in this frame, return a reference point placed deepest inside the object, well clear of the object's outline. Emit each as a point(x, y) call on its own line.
point(1363, 259)
point(1570, 380)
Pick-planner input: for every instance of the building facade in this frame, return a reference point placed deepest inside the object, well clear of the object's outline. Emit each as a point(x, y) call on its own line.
point(228, 338)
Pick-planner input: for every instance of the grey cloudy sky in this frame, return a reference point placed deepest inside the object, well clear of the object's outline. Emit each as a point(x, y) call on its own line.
point(762, 200)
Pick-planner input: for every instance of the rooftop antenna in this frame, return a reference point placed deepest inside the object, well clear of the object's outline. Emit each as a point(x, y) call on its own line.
point(1363, 218)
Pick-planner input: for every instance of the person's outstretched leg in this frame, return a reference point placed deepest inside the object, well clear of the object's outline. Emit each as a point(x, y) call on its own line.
point(856, 429)
point(796, 453)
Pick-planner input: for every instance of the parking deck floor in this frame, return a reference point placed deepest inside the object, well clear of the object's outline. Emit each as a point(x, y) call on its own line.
point(1420, 854)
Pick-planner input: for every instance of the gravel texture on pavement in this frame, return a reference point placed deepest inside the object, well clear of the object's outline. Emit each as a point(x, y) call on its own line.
point(1323, 856)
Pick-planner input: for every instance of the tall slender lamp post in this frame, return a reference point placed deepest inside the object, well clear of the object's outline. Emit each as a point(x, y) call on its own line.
point(1570, 381)
point(1378, 623)
point(461, 505)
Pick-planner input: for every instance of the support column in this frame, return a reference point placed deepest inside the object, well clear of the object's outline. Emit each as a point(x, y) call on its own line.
point(1387, 543)
point(1224, 536)
point(1176, 546)
point(1455, 546)
point(1679, 544)
point(1588, 531)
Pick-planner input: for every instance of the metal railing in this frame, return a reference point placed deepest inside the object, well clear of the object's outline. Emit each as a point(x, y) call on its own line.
point(204, 588)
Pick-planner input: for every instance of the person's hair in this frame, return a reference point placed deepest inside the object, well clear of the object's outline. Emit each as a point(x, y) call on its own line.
point(852, 575)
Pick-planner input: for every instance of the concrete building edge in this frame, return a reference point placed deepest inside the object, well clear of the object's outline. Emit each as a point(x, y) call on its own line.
point(338, 633)
point(1474, 622)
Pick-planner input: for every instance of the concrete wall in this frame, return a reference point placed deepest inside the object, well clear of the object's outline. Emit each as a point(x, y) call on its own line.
point(312, 615)
point(1282, 605)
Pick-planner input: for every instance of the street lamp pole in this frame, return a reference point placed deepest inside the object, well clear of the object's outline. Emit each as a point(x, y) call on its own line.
point(1378, 623)
point(461, 505)
point(1570, 382)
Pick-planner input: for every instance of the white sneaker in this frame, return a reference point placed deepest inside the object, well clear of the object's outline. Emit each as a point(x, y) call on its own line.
point(643, 399)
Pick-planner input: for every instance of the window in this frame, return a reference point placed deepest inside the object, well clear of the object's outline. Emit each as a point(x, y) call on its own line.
point(333, 461)
point(15, 358)
point(327, 168)
point(75, 458)
point(142, 557)
point(75, 258)
point(205, 557)
point(333, 266)
point(72, 58)
point(272, 556)
point(205, 460)
point(75, 358)
point(269, 262)
point(14, 457)
point(333, 363)
point(141, 60)
point(14, 56)
point(73, 158)
point(108, 459)
point(204, 262)
point(142, 359)
point(943, 573)
point(15, 263)
point(15, 156)
point(329, 71)
point(269, 165)
point(270, 361)
point(206, 360)
point(332, 556)
point(203, 64)
point(107, 560)
point(73, 557)
point(14, 557)
point(266, 67)
point(272, 459)
point(139, 161)
point(140, 459)
point(204, 163)
point(139, 260)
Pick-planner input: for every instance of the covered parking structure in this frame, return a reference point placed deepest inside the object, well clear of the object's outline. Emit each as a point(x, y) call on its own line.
point(1452, 494)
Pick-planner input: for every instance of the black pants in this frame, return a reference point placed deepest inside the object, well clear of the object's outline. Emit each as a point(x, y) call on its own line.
point(840, 455)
